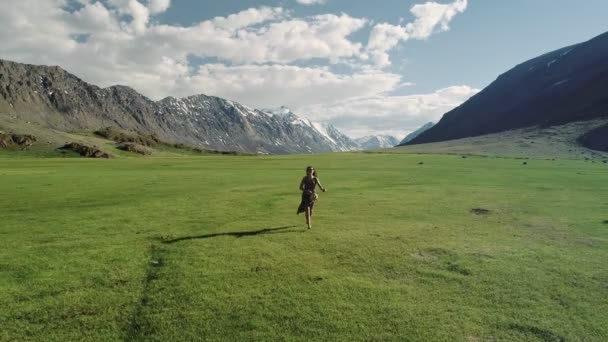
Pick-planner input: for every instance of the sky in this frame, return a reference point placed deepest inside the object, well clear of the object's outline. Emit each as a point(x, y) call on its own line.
point(367, 67)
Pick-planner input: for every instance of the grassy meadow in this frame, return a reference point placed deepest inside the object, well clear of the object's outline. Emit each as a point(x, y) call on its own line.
point(210, 248)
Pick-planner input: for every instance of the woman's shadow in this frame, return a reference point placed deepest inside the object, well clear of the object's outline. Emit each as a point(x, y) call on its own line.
point(276, 230)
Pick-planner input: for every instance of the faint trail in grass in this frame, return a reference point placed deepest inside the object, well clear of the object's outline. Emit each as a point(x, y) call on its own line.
point(137, 323)
point(239, 234)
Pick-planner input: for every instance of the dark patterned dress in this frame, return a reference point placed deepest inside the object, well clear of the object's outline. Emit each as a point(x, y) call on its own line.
point(308, 195)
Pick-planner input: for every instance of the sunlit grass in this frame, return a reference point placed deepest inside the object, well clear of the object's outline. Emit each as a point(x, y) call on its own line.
point(210, 248)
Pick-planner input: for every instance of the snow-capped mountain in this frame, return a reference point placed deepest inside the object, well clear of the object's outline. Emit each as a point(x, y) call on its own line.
point(342, 141)
point(229, 125)
point(331, 136)
point(280, 111)
point(375, 142)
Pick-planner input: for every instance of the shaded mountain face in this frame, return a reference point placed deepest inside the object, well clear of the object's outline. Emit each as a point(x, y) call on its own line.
point(377, 142)
point(596, 139)
point(54, 98)
point(417, 132)
point(559, 87)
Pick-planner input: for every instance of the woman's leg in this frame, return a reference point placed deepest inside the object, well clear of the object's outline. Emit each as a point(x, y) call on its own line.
point(308, 217)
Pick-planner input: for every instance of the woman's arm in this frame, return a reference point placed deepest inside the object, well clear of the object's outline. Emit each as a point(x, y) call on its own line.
point(319, 184)
point(302, 184)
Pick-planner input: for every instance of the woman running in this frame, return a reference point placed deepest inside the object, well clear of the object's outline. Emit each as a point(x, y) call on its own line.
point(309, 196)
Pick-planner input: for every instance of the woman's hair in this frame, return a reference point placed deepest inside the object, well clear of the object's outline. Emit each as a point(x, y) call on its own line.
point(314, 171)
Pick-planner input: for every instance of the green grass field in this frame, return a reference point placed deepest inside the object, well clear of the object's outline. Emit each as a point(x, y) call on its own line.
point(210, 248)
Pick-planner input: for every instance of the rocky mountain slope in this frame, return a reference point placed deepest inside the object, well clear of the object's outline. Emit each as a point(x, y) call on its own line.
point(53, 98)
point(417, 132)
point(330, 134)
point(344, 142)
point(555, 142)
point(559, 87)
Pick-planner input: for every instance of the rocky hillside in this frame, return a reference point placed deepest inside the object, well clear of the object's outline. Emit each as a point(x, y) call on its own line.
point(51, 97)
point(555, 142)
point(562, 86)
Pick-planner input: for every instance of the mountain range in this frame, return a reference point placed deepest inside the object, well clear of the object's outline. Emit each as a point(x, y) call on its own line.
point(373, 142)
point(560, 87)
point(566, 85)
point(52, 97)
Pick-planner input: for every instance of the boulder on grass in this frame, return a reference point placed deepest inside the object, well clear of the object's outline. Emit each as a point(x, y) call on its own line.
point(85, 151)
point(21, 140)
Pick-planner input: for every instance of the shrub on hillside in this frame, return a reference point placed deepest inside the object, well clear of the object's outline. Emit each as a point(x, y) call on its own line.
point(121, 136)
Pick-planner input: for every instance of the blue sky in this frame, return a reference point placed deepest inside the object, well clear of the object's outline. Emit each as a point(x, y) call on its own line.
point(368, 67)
point(491, 36)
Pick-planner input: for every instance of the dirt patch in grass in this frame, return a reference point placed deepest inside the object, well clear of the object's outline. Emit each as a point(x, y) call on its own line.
point(542, 334)
point(135, 148)
point(431, 253)
point(436, 251)
point(480, 211)
point(85, 151)
point(457, 268)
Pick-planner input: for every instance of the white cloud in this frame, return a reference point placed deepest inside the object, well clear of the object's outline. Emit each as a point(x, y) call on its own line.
point(93, 17)
point(139, 13)
point(39, 33)
point(393, 115)
point(158, 6)
point(243, 19)
point(256, 49)
point(284, 41)
point(431, 17)
point(311, 2)
point(382, 39)
point(267, 85)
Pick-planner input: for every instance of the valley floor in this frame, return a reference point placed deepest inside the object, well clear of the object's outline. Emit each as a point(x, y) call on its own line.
point(403, 247)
